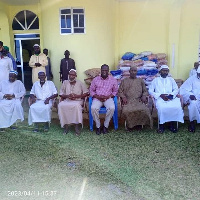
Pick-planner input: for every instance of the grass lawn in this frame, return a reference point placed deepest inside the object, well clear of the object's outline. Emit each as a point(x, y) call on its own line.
point(142, 165)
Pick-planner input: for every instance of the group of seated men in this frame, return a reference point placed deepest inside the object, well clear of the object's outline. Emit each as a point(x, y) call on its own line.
point(132, 92)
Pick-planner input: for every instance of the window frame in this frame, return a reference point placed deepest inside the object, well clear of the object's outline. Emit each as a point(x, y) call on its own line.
point(72, 20)
point(25, 26)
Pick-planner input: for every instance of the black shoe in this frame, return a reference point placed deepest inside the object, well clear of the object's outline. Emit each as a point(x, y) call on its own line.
point(13, 127)
point(36, 130)
point(77, 129)
point(161, 129)
point(172, 129)
point(191, 128)
point(98, 131)
point(129, 129)
point(66, 129)
point(104, 130)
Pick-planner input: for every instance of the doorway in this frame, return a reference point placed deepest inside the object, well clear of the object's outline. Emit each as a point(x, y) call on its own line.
point(24, 50)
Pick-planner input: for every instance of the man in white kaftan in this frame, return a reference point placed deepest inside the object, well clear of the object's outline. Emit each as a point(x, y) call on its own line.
point(41, 95)
point(5, 65)
point(190, 90)
point(11, 92)
point(164, 90)
point(194, 70)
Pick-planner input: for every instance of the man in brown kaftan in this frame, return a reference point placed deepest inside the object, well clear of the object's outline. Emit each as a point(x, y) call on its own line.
point(70, 109)
point(134, 94)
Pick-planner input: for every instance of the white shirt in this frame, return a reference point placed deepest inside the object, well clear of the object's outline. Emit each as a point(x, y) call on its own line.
point(17, 88)
point(42, 93)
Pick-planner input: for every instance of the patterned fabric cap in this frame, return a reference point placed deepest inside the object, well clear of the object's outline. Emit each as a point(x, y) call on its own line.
point(13, 72)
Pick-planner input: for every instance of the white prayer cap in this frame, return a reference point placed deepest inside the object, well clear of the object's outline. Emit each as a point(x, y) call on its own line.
point(163, 67)
point(13, 72)
point(41, 72)
point(72, 70)
point(36, 45)
point(198, 70)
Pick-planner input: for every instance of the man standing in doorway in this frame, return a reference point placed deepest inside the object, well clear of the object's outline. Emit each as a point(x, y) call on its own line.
point(48, 67)
point(38, 61)
point(66, 65)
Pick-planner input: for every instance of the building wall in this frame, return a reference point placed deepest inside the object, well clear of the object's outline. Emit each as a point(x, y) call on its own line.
point(158, 26)
point(189, 37)
point(114, 27)
point(89, 50)
point(4, 25)
point(143, 26)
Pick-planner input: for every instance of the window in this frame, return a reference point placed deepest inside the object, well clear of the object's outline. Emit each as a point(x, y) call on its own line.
point(72, 20)
point(25, 20)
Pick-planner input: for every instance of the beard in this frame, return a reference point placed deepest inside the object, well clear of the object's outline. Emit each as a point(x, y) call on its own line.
point(71, 81)
point(37, 52)
point(164, 75)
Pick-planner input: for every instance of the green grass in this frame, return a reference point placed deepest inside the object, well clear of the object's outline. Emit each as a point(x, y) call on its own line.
point(142, 165)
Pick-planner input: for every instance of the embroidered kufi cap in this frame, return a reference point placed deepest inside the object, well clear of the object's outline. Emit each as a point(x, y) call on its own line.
point(163, 67)
point(13, 72)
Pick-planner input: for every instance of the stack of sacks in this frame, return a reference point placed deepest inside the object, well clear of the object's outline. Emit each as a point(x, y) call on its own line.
point(91, 74)
point(153, 58)
point(128, 56)
point(147, 72)
point(146, 62)
point(117, 74)
point(138, 63)
point(124, 66)
point(143, 56)
point(161, 59)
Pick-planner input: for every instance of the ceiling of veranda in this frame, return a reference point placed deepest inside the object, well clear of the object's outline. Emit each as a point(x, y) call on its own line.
point(20, 2)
